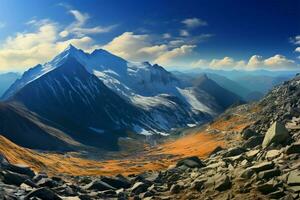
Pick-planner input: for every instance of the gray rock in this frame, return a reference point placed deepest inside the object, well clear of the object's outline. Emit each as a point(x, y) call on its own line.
point(247, 173)
point(13, 178)
point(293, 148)
point(294, 178)
point(20, 169)
point(223, 183)
point(42, 193)
point(277, 134)
point(139, 187)
point(191, 162)
point(266, 188)
point(269, 174)
point(215, 151)
point(253, 142)
point(262, 166)
point(234, 152)
point(248, 133)
point(98, 185)
point(117, 182)
point(175, 189)
point(47, 182)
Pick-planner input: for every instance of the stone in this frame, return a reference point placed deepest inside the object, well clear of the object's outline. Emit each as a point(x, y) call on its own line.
point(248, 133)
point(253, 142)
point(98, 185)
point(20, 169)
point(222, 183)
point(293, 148)
point(251, 154)
point(294, 178)
point(234, 152)
point(269, 174)
point(272, 154)
point(116, 182)
point(47, 182)
point(13, 178)
point(175, 189)
point(191, 162)
point(42, 193)
point(266, 188)
point(277, 134)
point(277, 194)
point(216, 150)
point(247, 173)
point(198, 184)
point(139, 187)
point(262, 166)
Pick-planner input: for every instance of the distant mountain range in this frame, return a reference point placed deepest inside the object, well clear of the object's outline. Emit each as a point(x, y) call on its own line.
point(250, 85)
point(92, 99)
point(6, 79)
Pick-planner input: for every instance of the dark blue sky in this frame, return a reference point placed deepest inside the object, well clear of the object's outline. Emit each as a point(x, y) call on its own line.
point(237, 29)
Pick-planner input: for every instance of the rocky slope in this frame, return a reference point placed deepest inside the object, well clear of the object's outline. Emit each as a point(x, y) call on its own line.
point(263, 163)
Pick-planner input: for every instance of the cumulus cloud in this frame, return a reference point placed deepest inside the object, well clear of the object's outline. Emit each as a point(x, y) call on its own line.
point(276, 62)
point(78, 27)
point(184, 33)
point(296, 41)
point(45, 40)
point(141, 47)
point(194, 22)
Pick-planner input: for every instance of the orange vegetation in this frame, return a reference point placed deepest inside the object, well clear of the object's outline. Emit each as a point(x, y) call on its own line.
point(151, 158)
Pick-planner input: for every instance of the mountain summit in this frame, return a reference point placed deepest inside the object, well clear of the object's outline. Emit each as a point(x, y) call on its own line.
point(91, 95)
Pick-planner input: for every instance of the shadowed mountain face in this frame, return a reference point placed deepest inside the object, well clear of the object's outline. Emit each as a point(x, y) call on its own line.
point(29, 130)
point(223, 97)
point(79, 102)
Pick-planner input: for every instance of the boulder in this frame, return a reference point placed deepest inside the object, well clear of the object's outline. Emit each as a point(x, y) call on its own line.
point(20, 169)
point(247, 173)
point(98, 185)
point(176, 188)
point(138, 188)
point(222, 183)
point(116, 182)
point(234, 152)
point(47, 182)
point(42, 193)
point(272, 154)
point(277, 134)
point(191, 162)
point(262, 166)
point(269, 174)
point(248, 133)
point(216, 150)
point(13, 178)
point(293, 148)
point(294, 178)
point(253, 142)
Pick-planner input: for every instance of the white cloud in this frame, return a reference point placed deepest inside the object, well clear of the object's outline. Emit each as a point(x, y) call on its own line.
point(194, 22)
point(184, 33)
point(297, 49)
point(167, 35)
point(78, 27)
point(142, 47)
point(45, 40)
point(276, 62)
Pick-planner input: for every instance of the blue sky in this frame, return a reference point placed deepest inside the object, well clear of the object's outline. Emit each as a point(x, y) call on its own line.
point(218, 34)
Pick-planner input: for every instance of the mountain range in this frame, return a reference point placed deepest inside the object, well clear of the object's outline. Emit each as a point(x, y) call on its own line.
point(95, 98)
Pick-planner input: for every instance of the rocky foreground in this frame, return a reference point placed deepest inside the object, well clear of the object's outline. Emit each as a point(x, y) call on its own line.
point(265, 164)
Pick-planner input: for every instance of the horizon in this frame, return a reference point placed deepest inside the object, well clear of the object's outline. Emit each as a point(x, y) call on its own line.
point(187, 37)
